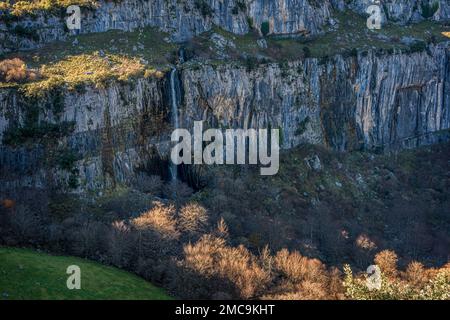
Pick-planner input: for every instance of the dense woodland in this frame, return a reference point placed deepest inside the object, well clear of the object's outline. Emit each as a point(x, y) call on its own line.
point(244, 236)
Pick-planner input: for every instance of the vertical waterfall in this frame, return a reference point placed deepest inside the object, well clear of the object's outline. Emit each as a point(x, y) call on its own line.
point(175, 98)
point(181, 56)
point(174, 112)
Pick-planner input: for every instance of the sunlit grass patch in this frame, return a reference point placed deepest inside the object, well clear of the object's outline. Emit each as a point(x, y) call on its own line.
point(24, 7)
point(94, 69)
point(27, 274)
point(95, 59)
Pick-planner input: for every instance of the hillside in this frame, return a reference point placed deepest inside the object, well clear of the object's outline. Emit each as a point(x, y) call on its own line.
point(363, 116)
point(27, 274)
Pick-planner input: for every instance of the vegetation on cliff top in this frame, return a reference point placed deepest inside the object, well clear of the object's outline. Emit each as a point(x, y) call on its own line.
point(27, 7)
point(92, 59)
point(98, 57)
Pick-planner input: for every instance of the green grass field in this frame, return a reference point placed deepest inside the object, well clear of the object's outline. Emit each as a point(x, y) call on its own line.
point(27, 274)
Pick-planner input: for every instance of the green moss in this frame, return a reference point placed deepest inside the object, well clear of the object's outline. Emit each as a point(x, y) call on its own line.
point(66, 159)
point(302, 126)
point(429, 9)
point(418, 46)
point(204, 8)
point(265, 28)
point(240, 6)
point(36, 132)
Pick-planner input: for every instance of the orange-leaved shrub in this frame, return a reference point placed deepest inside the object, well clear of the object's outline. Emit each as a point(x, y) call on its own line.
point(212, 257)
point(193, 218)
point(159, 219)
point(15, 70)
point(387, 261)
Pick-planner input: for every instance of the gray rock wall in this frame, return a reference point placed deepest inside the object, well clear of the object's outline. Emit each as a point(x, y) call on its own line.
point(344, 103)
point(186, 18)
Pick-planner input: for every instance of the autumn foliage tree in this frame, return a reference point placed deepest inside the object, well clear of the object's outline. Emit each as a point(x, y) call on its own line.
point(416, 283)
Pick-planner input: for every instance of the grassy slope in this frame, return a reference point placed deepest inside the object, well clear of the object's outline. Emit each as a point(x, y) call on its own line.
point(26, 274)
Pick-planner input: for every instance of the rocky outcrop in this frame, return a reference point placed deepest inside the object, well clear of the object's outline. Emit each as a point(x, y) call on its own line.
point(344, 103)
point(366, 101)
point(114, 131)
point(403, 11)
point(184, 19)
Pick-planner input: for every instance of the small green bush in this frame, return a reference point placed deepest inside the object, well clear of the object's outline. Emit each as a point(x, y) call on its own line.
point(265, 28)
point(428, 10)
point(306, 52)
point(204, 8)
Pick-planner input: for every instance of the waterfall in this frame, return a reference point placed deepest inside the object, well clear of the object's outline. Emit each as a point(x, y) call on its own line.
point(174, 94)
point(174, 111)
point(181, 56)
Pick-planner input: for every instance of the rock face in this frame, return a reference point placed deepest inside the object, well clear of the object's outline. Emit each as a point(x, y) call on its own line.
point(184, 19)
point(404, 11)
point(114, 130)
point(344, 103)
point(290, 16)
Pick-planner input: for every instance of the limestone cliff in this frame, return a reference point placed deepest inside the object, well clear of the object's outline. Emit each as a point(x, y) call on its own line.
point(343, 103)
point(184, 19)
point(93, 138)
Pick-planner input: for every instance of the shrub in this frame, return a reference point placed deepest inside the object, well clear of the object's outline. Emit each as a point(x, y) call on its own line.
point(417, 274)
point(84, 69)
point(297, 268)
point(121, 244)
point(37, 132)
point(305, 276)
point(204, 8)
point(306, 52)
point(418, 46)
point(27, 7)
point(211, 257)
point(437, 288)
point(193, 218)
point(15, 70)
point(151, 184)
point(429, 9)
point(365, 243)
point(265, 28)
point(26, 32)
point(159, 219)
point(250, 23)
point(387, 261)
point(177, 191)
point(4, 5)
point(251, 63)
